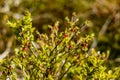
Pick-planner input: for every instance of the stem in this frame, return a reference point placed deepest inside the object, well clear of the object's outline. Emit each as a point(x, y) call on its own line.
point(65, 73)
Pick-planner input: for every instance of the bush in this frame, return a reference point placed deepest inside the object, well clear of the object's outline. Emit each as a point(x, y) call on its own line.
point(60, 55)
point(104, 17)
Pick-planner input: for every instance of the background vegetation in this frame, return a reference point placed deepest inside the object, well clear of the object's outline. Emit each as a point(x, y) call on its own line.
point(104, 17)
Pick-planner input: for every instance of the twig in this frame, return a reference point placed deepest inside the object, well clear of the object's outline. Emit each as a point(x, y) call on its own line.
point(65, 72)
point(5, 53)
point(102, 31)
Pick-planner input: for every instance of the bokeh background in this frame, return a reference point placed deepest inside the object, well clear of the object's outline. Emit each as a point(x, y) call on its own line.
point(104, 17)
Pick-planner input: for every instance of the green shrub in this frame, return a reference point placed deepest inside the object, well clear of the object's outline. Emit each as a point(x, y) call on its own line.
point(58, 56)
point(104, 16)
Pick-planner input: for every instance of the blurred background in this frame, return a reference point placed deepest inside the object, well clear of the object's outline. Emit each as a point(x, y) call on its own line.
point(104, 16)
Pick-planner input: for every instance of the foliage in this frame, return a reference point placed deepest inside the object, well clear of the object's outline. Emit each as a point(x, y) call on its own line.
point(60, 55)
point(103, 14)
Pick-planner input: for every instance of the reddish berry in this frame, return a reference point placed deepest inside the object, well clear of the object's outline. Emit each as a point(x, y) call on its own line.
point(24, 49)
point(9, 68)
point(52, 73)
point(71, 47)
point(66, 35)
point(72, 30)
point(30, 62)
point(58, 42)
point(85, 45)
point(27, 44)
point(76, 36)
point(3, 72)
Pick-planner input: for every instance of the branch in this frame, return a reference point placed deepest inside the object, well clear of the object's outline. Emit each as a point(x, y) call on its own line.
point(102, 31)
point(5, 53)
